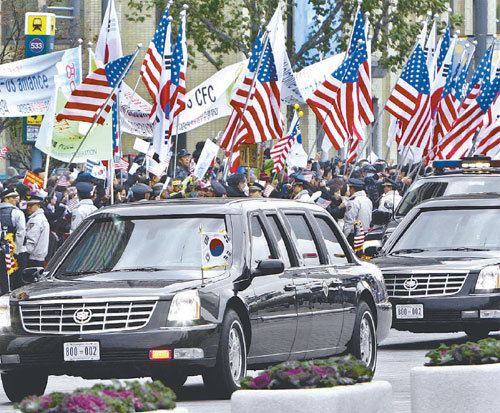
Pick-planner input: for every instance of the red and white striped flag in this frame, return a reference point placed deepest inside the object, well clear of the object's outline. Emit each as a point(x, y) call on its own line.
point(458, 142)
point(121, 165)
point(92, 98)
point(280, 151)
point(359, 236)
point(3, 152)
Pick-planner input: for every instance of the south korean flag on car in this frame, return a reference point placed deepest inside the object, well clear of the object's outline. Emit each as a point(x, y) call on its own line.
point(215, 249)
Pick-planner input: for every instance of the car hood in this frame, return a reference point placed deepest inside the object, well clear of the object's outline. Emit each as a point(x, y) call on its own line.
point(436, 262)
point(105, 285)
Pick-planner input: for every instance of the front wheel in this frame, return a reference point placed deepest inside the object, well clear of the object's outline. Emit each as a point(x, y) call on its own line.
point(20, 384)
point(363, 343)
point(173, 379)
point(231, 364)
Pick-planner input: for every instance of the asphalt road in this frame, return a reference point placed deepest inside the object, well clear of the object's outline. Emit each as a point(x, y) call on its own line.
point(397, 355)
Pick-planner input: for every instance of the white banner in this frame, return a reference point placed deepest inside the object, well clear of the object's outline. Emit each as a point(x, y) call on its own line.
point(27, 86)
point(207, 155)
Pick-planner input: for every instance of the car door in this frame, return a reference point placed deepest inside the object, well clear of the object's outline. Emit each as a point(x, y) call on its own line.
point(345, 270)
point(295, 267)
point(325, 295)
point(274, 323)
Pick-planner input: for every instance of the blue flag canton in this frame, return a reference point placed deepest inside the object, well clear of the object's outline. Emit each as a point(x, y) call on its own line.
point(489, 93)
point(416, 73)
point(115, 70)
point(482, 69)
point(178, 56)
point(161, 32)
point(267, 69)
point(445, 46)
point(256, 50)
point(358, 33)
point(348, 71)
point(460, 80)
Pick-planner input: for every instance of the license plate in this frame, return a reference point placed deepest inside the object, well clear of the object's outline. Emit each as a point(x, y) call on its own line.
point(81, 351)
point(409, 311)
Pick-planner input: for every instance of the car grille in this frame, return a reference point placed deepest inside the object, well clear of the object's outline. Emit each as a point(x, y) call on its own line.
point(423, 285)
point(107, 356)
point(104, 315)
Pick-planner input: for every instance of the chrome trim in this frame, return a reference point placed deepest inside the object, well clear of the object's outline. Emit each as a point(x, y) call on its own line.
point(87, 300)
point(209, 326)
point(429, 284)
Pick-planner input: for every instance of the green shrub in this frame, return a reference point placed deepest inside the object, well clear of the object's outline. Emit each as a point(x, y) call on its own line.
point(127, 397)
point(329, 372)
point(485, 351)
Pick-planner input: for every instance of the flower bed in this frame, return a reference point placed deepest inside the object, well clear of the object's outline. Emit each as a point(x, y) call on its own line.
point(458, 378)
point(331, 385)
point(118, 397)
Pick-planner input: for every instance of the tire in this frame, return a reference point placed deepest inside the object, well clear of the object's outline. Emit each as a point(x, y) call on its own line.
point(231, 364)
point(477, 333)
point(20, 384)
point(173, 379)
point(363, 344)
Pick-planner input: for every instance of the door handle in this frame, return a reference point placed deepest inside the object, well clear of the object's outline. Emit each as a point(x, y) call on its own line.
point(289, 287)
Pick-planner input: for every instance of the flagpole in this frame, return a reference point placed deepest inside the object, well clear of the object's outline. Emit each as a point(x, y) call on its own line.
point(175, 144)
point(112, 180)
point(45, 179)
point(130, 64)
point(238, 125)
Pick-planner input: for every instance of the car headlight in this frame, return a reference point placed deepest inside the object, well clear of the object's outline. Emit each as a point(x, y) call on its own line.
point(185, 306)
point(5, 311)
point(488, 279)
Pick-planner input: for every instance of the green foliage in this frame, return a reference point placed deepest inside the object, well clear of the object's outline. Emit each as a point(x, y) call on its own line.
point(220, 27)
point(128, 397)
point(485, 351)
point(330, 372)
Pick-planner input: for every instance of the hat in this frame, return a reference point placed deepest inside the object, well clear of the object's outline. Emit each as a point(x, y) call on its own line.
point(157, 189)
point(84, 189)
point(34, 199)
point(368, 168)
point(140, 190)
point(390, 182)
point(9, 193)
point(84, 177)
point(255, 186)
point(356, 183)
point(299, 180)
point(183, 152)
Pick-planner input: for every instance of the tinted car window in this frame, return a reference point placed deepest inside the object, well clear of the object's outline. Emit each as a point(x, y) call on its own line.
point(305, 241)
point(333, 247)
point(278, 234)
point(120, 243)
point(452, 228)
point(419, 193)
point(260, 243)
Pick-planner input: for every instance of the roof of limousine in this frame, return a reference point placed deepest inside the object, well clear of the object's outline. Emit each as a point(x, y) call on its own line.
point(203, 206)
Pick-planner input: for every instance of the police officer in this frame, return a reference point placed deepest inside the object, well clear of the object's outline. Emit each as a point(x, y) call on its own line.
point(299, 191)
point(85, 207)
point(391, 198)
point(358, 208)
point(37, 233)
point(183, 164)
point(141, 193)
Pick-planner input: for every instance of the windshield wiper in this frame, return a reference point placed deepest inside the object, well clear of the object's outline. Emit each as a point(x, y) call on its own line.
point(86, 272)
point(465, 249)
point(407, 251)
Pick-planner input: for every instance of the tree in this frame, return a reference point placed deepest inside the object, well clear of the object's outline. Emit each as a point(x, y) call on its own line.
point(220, 27)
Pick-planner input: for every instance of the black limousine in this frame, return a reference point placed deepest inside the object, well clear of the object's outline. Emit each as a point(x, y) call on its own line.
point(442, 266)
point(125, 297)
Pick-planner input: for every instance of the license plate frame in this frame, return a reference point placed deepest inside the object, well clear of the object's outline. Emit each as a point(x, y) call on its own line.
point(409, 311)
point(82, 351)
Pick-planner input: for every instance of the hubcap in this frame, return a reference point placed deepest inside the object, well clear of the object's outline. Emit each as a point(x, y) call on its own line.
point(366, 341)
point(235, 354)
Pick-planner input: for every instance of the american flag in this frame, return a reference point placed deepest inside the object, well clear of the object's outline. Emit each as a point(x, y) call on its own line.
point(410, 101)
point(280, 151)
point(262, 120)
point(359, 236)
point(95, 95)
point(3, 152)
point(489, 140)
point(443, 47)
point(63, 181)
point(458, 141)
point(121, 164)
point(151, 68)
point(481, 74)
point(9, 248)
point(72, 203)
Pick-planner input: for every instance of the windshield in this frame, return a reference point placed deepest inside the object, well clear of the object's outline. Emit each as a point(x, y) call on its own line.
point(425, 189)
point(161, 247)
point(452, 229)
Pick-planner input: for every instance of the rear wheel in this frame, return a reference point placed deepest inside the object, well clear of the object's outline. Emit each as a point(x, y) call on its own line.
point(20, 384)
point(363, 343)
point(231, 364)
point(477, 333)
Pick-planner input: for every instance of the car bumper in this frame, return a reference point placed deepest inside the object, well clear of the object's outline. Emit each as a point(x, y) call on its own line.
point(452, 313)
point(122, 354)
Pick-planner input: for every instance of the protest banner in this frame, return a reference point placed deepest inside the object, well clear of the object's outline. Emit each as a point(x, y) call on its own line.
point(32, 180)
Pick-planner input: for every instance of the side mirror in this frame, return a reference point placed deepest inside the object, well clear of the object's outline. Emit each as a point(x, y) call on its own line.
point(31, 275)
point(268, 267)
point(372, 251)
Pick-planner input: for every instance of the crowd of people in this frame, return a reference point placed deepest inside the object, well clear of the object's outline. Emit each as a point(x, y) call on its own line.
point(40, 220)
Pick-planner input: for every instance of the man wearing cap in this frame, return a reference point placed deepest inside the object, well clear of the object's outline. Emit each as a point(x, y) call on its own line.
point(299, 193)
point(255, 190)
point(37, 233)
point(85, 207)
point(358, 208)
point(141, 193)
point(372, 186)
point(391, 198)
point(183, 163)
